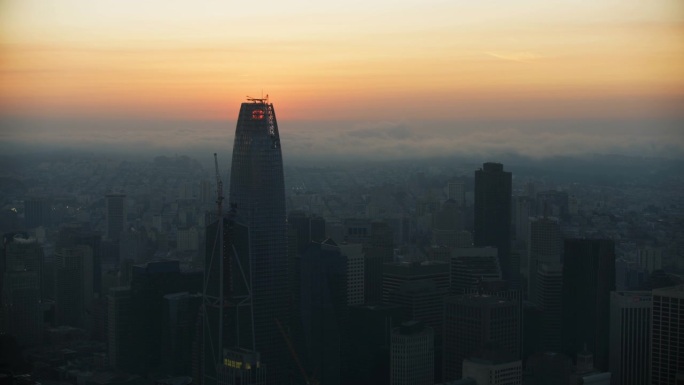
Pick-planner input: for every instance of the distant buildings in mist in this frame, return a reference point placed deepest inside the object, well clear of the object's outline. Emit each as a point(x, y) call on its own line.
point(391, 275)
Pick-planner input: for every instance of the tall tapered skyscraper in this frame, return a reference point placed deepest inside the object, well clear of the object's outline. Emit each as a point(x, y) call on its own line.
point(257, 195)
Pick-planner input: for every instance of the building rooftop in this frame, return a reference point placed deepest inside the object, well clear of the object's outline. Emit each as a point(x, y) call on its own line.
point(480, 300)
point(676, 291)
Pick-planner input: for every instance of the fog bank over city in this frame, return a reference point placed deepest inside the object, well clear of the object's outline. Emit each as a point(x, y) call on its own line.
point(344, 140)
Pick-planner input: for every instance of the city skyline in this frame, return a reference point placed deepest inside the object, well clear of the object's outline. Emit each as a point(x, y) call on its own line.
point(377, 80)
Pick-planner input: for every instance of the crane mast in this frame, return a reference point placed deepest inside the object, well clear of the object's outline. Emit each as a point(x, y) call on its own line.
point(219, 188)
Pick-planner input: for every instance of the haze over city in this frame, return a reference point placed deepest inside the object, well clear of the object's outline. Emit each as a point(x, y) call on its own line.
point(376, 79)
point(357, 193)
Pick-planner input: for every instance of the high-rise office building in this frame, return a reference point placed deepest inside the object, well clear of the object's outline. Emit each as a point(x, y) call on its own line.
point(419, 288)
point(544, 247)
point(549, 297)
point(667, 336)
point(412, 354)
point(257, 194)
point(116, 215)
point(324, 310)
point(120, 333)
point(150, 282)
point(355, 273)
point(20, 308)
point(630, 330)
point(473, 320)
point(370, 329)
point(588, 279)
point(179, 316)
point(74, 234)
point(493, 215)
point(73, 284)
point(379, 249)
point(493, 366)
point(471, 266)
point(397, 273)
point(545, 368)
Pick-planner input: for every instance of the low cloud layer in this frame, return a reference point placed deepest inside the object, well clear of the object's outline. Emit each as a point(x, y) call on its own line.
point(340, 140)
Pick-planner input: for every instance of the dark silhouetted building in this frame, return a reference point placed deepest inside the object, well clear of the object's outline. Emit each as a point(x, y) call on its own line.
point(379, 249)
point(179, 316)
point(544, 247)
point(549, 300)
point(473, 320)
point(72, 235)
point(150, 283)
point(493, 215)
point(324, 310)
point(493, 366)
point(471, 266)
point(545, 368)
point(73, 285)
point(257, 194)
point(420, 288)
point(588, 279)
point(412, 354)
point(630, 332)
point(121, 330)
point(667, 336)
point(20, 289)
point(370, 329)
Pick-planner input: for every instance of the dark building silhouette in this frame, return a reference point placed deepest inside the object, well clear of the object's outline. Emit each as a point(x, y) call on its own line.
point(549, 300)
point(493, 215)
point(150, 283)
point(588, 279)
point(121, 341)
point(544, 247)
point(493, 365)
point(21, 315)
point(369, 343)
point(546, 368)
point(630, 332)
point(73, 285)
point(257, 193)
point(179, 315)
point(72, 235)
point(412, 354)
point(378, 250)
point(473, 320)
point(420, 288)
point(471, 266)
point(667, 336)
point(302, 229)
point(324, 310)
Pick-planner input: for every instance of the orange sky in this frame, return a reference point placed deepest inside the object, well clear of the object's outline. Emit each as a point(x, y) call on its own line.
point(356, 60)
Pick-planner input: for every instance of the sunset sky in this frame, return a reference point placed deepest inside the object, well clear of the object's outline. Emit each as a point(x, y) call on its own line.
point(122, 72)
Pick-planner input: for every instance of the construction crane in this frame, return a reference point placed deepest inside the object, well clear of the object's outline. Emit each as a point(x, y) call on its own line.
point(219, 188)
point(309, 381)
